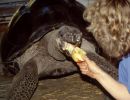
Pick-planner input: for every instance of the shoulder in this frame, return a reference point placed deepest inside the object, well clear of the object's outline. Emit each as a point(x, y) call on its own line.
point(125, 61)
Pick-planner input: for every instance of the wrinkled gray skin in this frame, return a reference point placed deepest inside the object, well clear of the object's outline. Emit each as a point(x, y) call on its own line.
point(44, 58)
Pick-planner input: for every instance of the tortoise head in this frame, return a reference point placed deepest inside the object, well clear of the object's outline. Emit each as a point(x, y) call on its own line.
point(68, 34)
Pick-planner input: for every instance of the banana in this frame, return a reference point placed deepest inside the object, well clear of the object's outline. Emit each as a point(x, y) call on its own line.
point(76, 53)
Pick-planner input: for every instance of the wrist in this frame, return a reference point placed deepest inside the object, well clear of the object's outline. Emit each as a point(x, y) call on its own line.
point(100, 75)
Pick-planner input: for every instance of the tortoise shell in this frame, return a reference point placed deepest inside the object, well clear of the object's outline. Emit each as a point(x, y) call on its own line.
point(33, 20)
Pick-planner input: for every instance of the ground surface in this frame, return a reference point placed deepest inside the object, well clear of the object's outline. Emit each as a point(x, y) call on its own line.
point(68, 88)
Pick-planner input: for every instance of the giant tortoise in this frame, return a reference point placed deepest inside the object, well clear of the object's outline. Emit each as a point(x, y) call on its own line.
point(29, 49)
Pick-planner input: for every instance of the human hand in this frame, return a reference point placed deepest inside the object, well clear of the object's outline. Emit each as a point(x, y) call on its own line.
point(89, 67)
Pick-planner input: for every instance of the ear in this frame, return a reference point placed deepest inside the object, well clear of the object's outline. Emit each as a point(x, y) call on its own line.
point(53, 47)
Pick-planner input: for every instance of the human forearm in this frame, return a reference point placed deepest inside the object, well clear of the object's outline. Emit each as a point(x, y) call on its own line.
point(116, 89)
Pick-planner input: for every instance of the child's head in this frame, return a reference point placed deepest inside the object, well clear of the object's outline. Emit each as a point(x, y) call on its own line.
point(110, 25)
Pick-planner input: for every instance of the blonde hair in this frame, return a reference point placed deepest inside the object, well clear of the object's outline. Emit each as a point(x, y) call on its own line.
point(110, 25)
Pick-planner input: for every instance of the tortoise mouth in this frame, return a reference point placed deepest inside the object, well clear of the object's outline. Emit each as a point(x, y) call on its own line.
point(61, 45)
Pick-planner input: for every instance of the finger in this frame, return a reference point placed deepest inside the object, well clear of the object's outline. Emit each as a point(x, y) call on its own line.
point(83, 66)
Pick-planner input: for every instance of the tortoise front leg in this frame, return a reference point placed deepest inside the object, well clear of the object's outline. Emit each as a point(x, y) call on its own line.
point(24, 83)
point(104, 64)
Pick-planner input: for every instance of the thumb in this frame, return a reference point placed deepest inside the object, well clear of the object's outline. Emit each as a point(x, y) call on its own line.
point(87, 60)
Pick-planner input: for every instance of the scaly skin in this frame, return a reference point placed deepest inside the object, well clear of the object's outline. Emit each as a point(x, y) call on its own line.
point(24, 83)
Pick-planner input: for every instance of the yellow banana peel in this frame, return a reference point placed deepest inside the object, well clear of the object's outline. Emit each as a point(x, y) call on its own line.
point(77, 53)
